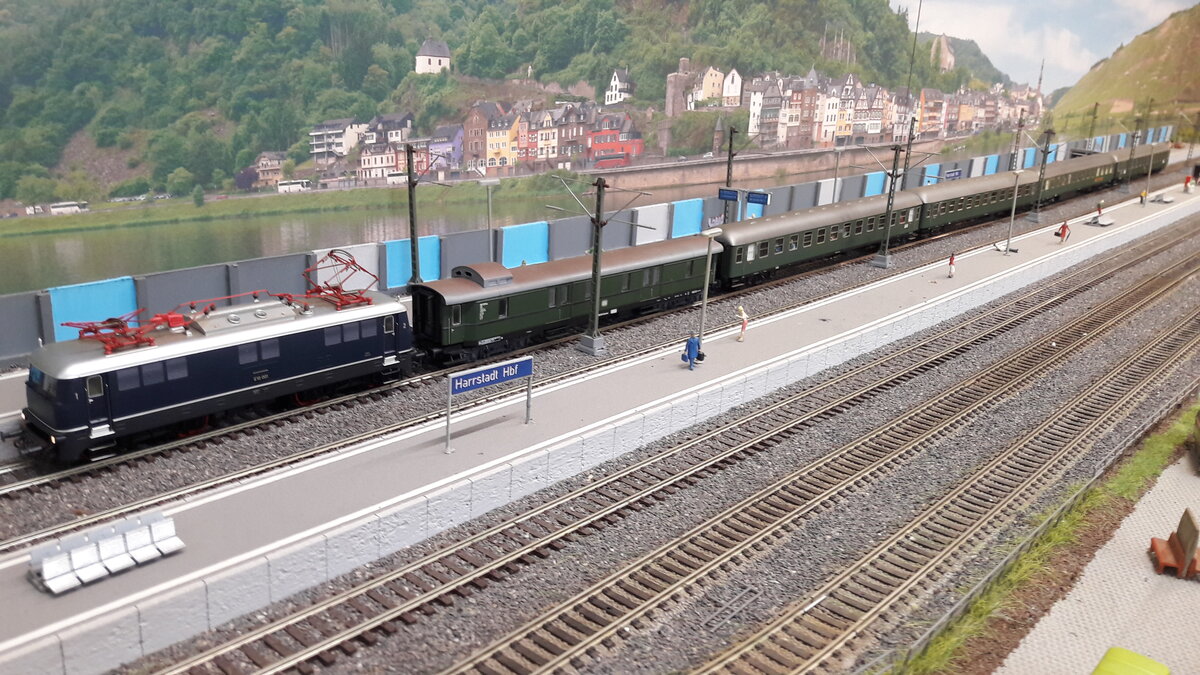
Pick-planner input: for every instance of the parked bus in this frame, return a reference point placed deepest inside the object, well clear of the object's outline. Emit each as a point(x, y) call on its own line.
point(68, 207)
point(295, 185)
point(397, 178)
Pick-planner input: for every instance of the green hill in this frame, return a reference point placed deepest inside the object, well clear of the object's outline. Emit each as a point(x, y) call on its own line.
point(1158, 64)
point(156, 86)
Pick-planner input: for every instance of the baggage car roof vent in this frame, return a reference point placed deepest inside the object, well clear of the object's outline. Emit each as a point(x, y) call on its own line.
point(484, 274)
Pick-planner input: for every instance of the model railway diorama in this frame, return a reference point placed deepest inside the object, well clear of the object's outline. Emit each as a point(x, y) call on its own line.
point(126, 377)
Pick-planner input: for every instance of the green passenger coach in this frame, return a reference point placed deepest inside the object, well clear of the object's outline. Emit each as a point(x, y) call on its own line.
point(485, 308)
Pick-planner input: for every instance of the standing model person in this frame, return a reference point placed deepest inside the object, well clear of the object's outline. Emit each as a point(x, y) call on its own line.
point(745, 318)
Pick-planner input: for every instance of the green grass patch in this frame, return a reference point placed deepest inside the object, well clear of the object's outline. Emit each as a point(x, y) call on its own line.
point(1128, 484)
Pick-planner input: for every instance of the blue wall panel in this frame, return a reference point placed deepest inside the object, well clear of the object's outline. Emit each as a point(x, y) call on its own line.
point(1098, 144)
point(525, 244)
point(875, 184)
point(95, 301)
point(1150, 134)
point(687, 217)
point(752, 210)
point(399, 261)
point(1121, 140)
point(932, 173)
point(1029, 158)
point(992, 164)
point(1053, 157)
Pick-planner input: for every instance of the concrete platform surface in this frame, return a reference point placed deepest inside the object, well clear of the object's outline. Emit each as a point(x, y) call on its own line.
point(1119, 601)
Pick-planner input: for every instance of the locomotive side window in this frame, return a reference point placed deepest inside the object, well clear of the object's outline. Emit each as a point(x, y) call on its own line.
point(764, 249)
point(502, 308)
point(128, 379)
point(176, 369)
point(389, 324)
point(793, 242)
point(624, 283)
point(95, 387)
point(152, 373)
point(249, 353)
point(367, 328)
point(550, 300)
point(807, 239)
point(270, 349)
point(333, 336)
point(349, 332)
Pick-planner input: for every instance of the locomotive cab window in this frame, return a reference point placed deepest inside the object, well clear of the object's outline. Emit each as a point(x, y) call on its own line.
point(389, 324)
point(95, 386)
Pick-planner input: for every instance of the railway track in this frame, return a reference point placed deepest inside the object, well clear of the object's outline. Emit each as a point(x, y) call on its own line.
point(574, 631)
point(847, 608)
point(404, 595)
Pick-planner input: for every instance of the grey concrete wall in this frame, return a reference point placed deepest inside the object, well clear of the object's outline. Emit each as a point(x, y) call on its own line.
point(617, 234)
point(279, 274)
point(714, 212)
point(20, 330)
point(804, 195)
point(164, 291)
point(781, 200)
point(465, 248)
point(852, 187)
point(570, 237)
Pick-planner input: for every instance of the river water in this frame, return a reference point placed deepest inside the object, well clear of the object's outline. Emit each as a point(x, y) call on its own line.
point(39, 261)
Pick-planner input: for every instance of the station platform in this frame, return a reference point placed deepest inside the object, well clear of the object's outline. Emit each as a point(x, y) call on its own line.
point(1119, 601)
point(328, 516)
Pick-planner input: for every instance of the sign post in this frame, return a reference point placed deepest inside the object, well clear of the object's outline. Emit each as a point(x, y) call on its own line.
point(461, 383)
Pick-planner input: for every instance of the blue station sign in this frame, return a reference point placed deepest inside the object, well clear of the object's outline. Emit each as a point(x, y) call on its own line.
point(727, 194)
point(489, 375)
point(763, 198)
point(955, 173)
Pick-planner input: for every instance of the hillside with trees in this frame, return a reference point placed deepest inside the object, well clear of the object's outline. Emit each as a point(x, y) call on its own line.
point(190, 91)
point(1156, 64)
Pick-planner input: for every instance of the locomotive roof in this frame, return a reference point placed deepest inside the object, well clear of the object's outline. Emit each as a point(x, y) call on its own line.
point(225, 327)
point(484, 281)
point(757, 229)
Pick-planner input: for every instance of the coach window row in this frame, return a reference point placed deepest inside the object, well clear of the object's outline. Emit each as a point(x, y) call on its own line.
point(144, 376)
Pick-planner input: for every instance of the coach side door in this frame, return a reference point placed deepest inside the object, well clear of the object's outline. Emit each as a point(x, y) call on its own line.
point(97, 404)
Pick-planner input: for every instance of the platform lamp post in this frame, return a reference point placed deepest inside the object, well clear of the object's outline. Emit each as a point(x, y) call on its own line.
point(1133, 141)
point(1013, 214)
point(490, 183)
point(710, 234)
point(1149, 159)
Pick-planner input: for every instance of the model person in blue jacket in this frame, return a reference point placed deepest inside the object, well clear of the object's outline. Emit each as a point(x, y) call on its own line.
point(691, 351)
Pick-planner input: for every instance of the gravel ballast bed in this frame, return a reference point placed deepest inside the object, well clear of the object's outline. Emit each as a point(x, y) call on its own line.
point(29, 512)
point(473, 622)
